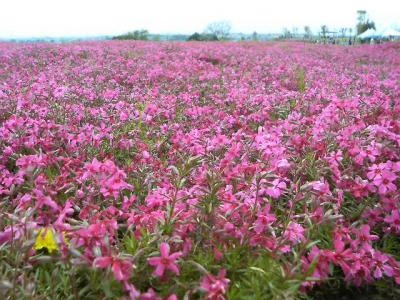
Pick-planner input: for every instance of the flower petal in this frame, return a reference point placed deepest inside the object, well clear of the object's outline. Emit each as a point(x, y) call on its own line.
point(102, 262)
point(159, 271)
point(164, 249)
point(153, 261)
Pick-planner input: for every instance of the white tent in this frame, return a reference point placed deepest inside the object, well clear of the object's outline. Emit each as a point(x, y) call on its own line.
point(370, 33)
point(390, 33)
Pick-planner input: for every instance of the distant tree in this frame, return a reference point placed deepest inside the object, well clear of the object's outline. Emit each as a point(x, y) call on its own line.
point(295, 31)
point(363, 23)
point(221, 29)
point(364, 27)
point(156, 37)
point(307, 32)
point(324, 31)
point(142, 34)
point(361, 16)
point(343, 32)
point(202, 37)
point(286, 33)
point(254, 36)
point(194, 37)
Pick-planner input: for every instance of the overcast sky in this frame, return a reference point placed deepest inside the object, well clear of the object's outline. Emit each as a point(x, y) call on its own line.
point(56, 18)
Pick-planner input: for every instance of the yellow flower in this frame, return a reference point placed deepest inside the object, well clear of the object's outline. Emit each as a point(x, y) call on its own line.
point(46, 239)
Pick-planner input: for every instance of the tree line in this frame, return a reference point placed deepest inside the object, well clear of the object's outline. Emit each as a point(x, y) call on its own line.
point(221, 30)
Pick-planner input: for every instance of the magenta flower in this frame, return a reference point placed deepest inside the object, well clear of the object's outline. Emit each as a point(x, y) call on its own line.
point(364, 238)
point(361, 187)
point(165, 261)
point(121, 268)
point(372, 152)
point(263, 220)
point(321, 187)
point(276, 189)
point(341, 255)
point(294, 233)
point(381, 265)
point(215, 286)
point(360, 269)
point(131, 289)
point(375, 171)
point(394, 219)
point(385, 182)
point(150, 295)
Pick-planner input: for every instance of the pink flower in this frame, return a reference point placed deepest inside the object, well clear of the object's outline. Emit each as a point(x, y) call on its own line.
point(396, 166)
point(364, 238)
point(263, 220)
point(360, 268)
point(215, 286)
point(394, 219)
point(341, 255)
point(112, 186)
point(91, 168)
point(59, 91)
point(385, 182)
point(131, 289)
point(321, 186)
point(127, 202)
point(283, 165)
point(44, 200)
point(122, 268)
point(372, 151)
point(146, 155)
point(110, 94)
point(294, 232)
point(381, 265)
point(156, 198)
point(165, 261)
point(361, 188)
point(375, 171)
point(321, 269)
point(150, 295)
point(336, 156)
point(276, 189)
point(6, 235)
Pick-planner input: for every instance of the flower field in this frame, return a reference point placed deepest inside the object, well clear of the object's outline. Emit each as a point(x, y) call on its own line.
point(155, 170)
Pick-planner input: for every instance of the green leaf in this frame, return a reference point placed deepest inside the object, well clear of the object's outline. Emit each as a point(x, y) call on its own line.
point(309, 245)
point(258, 270)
